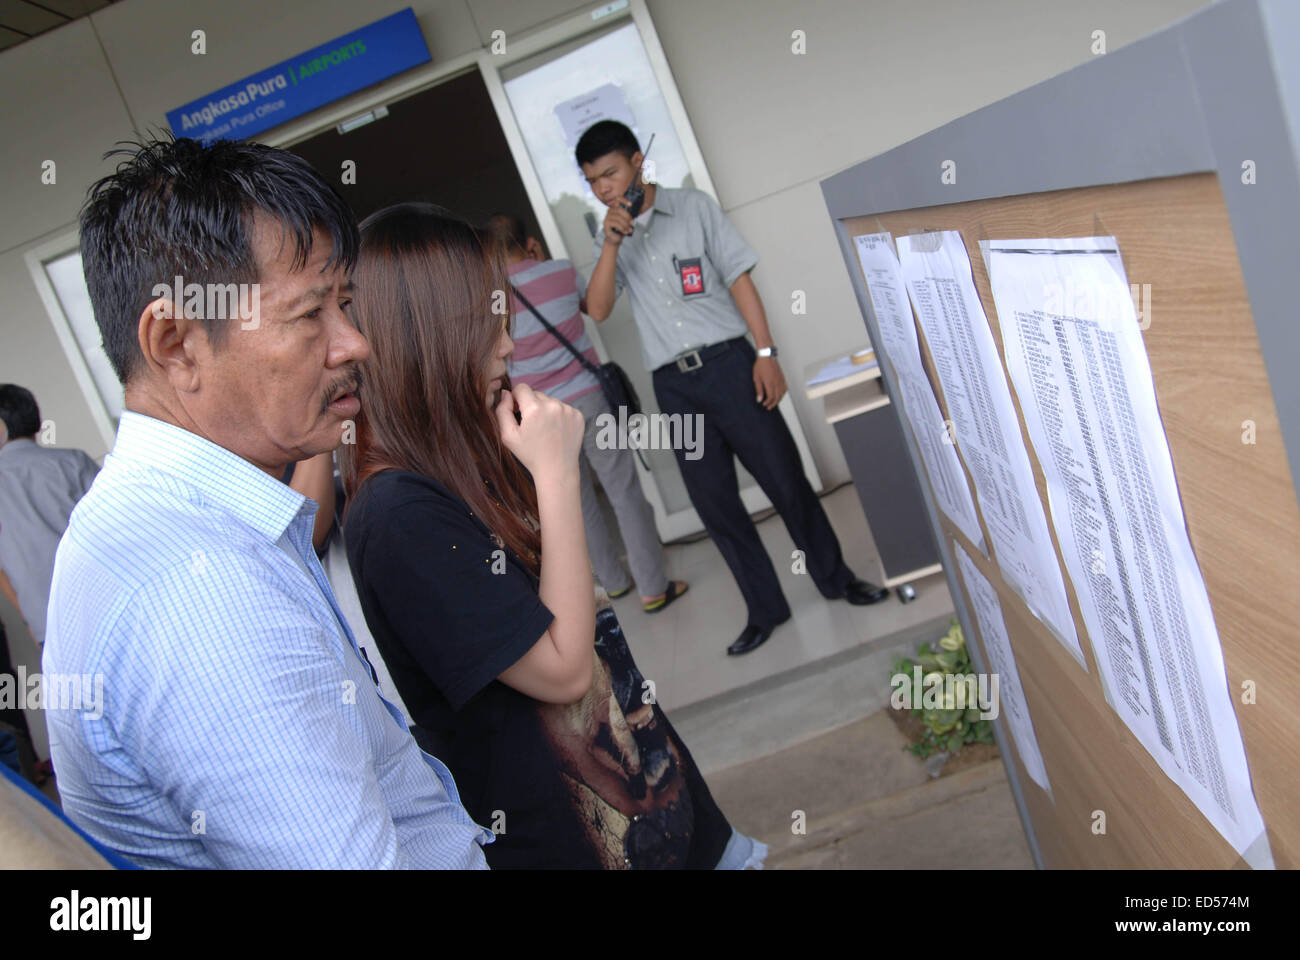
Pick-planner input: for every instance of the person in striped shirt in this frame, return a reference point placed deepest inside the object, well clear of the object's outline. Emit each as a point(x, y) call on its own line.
point(542, 362)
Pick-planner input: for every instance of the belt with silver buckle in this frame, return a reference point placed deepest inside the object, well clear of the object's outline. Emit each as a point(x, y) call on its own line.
point(684, 364)
point(694, 359)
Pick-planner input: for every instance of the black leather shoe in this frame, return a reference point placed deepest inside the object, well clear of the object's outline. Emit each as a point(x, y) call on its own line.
point(750, 639)
point(861, 594)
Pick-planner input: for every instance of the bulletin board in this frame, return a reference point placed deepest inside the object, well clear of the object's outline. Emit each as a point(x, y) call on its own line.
point(1241, 513)
point(1158, 176)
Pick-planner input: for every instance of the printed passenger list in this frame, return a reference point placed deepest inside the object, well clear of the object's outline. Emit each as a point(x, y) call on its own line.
point(920, 409)
point(1002, 664)
point(937, 273)
point(1076, 357)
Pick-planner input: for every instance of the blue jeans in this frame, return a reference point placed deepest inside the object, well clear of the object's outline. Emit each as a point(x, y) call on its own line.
point(742, 853)
point(9, 751)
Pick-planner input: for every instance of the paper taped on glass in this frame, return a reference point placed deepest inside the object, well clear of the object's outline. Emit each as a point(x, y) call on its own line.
point(1010, 699)
point(937, 273)
point(1075, 354)
point(920, 409)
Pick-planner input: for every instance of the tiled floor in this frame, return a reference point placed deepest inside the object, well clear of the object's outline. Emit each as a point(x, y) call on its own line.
point(787, 709)
point(683, 648)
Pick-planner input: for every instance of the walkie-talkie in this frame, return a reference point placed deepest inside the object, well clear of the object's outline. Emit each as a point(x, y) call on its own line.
point(635, 195)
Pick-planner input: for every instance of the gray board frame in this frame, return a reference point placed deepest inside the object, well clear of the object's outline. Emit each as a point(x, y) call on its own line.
point(1204, 95)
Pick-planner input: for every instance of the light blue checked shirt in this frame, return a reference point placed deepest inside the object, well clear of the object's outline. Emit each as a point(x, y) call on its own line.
point(241, 727)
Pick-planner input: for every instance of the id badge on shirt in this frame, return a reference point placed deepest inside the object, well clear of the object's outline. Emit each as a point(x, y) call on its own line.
point(692, 275)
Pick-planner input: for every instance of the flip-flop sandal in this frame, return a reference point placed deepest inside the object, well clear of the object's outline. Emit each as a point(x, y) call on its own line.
point(621, 593)
point(672, 594)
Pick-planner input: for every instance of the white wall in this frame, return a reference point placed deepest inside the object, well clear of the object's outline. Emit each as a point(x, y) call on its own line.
point(876, 74)
point(59, 104)
point(771, 124)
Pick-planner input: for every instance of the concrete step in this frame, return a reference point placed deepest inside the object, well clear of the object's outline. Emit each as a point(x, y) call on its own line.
point(964, 821)
point(865, 802)
point(758, 719)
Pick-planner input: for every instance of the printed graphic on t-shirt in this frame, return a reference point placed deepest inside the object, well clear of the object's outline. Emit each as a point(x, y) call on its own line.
point(602, 783)
point(623, 773)
point(692, 276)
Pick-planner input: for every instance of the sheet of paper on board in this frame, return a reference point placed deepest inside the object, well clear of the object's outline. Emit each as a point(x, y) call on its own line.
point(937, 273)
point(1012, 706)
point(920, 409)
point(1076, 356)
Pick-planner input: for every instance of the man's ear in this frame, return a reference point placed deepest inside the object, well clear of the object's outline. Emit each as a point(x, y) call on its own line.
point(167, 340)
point(533, 247)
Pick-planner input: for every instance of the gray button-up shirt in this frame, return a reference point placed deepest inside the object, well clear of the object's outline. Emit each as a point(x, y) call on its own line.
point(39, 486)
point(680, 267)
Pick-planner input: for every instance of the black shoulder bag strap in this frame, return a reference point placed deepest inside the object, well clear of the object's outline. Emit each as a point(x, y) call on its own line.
point(595, 371)
point(591, 368)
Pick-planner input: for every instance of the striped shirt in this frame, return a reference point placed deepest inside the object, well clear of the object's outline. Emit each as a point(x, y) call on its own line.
point(237, 724)
point(539, 359)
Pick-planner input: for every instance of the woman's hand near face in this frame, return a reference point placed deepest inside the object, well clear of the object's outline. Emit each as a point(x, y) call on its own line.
point(560, 666)
point(547, 437)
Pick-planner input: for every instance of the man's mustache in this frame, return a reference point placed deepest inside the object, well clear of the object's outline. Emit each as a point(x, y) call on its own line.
point(351, 383)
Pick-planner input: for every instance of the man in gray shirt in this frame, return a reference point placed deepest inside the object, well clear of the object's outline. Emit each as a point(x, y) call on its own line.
point(687, 269)
point(39, 486)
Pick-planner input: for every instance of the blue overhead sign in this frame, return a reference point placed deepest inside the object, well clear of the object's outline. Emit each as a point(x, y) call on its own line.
point(300, 84)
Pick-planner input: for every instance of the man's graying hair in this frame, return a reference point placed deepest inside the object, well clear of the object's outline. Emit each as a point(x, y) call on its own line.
point(175, 207)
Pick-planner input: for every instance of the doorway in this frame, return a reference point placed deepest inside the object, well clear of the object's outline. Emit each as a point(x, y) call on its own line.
point(441, 145)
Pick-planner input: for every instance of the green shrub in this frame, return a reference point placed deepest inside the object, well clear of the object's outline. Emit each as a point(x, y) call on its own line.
point(951, 728)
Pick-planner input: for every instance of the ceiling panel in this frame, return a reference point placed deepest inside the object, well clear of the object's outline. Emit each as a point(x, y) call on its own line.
point(23, 19)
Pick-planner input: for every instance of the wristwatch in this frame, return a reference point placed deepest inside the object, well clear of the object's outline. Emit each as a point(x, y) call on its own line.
point(766, 352)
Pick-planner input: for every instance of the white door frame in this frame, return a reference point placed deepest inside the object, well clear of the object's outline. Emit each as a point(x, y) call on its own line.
point(60, 245)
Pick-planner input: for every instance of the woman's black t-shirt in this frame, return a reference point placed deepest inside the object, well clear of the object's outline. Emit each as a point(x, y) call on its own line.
point(603, 783)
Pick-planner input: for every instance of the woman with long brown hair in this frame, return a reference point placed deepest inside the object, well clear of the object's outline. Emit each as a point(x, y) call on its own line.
point(465, 537)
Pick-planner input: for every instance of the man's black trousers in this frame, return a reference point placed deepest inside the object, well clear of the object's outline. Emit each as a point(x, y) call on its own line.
point(722, 390)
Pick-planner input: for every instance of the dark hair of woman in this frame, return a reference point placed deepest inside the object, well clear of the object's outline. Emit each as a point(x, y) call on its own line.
point(422, 404)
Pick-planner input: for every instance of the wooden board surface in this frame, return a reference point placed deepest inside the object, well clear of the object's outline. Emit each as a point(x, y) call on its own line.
point(1241, 513)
